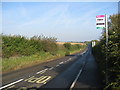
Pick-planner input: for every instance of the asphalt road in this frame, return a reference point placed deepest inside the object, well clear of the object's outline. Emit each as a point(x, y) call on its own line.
point(74, 71)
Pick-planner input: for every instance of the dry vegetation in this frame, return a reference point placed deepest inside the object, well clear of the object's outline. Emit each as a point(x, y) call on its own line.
point(72, 43)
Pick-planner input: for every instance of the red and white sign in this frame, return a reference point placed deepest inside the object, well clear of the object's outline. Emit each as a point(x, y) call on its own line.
point(100, 21)
point(100, 16)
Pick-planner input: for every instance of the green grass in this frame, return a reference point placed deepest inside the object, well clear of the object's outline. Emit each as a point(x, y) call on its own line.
point(10, 64)
point(14, 63)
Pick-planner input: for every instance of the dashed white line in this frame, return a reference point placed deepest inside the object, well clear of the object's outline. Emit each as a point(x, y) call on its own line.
point(42, 71)
point(61, 63)
point(69, 59)
point(57, 65)
point(51, 68)
point(11, 84)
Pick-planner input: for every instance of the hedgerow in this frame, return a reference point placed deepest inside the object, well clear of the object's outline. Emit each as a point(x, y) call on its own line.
point(21, 46)
point(108, 58)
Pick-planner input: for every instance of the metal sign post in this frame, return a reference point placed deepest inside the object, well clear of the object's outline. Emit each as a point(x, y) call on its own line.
point(106, 29)
point(102, 23)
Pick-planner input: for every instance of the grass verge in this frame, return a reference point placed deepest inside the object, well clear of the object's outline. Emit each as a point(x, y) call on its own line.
point(15, 63)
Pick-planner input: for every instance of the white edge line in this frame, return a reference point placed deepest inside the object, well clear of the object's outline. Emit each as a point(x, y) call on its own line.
point(75, 79)
point(11, 84)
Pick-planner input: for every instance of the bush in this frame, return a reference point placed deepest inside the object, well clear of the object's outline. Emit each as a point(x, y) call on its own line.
point(67, 53)
point(21, 46)
point(75, 47)
point(67, 46)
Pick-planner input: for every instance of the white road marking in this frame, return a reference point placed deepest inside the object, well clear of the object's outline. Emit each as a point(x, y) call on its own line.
point(11, 84)
point(57, 65)
point(42, 71)
point(73, 84)
point(51, 68)
point(61, 63)
point(69, 59)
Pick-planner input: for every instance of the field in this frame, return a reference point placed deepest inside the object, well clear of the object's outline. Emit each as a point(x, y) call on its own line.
point(72, 43)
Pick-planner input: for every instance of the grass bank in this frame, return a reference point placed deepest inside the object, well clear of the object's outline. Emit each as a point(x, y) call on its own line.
point(15, 63)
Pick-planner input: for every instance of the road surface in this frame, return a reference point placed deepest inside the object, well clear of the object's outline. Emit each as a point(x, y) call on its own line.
point(75, 71)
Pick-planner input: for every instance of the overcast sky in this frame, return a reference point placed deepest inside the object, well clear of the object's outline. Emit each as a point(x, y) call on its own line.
point(67, 21)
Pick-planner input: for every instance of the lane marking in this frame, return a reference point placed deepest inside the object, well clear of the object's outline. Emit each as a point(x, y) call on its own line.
point(12, 83)
point(41, 79)
point(33, 79)
point(73, 84)
point(11, 86)
point(69, 59)
point(61, 63)
point(42, 71)
point(44, 81)
point(57, 65)
point(51, 68)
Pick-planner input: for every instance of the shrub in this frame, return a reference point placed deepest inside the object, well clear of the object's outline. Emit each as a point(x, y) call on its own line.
point(67, 46)
point(19, 45)
point(67, 53)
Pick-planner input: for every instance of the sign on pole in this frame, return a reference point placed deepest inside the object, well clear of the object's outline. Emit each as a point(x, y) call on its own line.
point(100, 21)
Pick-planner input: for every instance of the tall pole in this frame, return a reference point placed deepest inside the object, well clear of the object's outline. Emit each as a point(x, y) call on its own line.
point(106, 30)
point(106, 27)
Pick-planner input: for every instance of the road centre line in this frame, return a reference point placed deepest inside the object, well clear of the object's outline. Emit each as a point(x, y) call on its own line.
point(11, 83)
point(57, 65)
point(44, 70)
point(51, 68)
point(65, 61)
point(69, 58)
point(61, 63)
